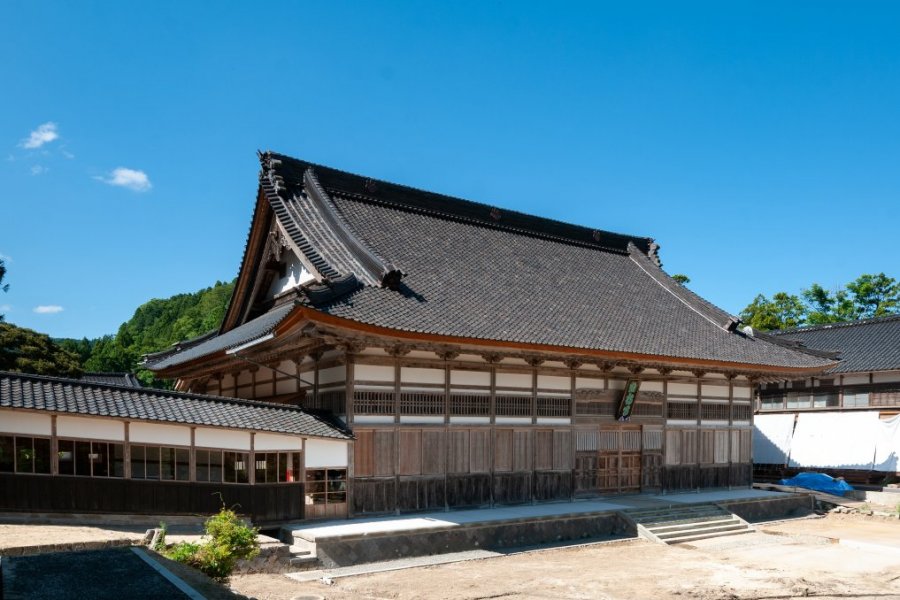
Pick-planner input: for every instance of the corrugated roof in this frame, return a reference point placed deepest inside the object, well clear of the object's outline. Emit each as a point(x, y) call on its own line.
point(39, 392)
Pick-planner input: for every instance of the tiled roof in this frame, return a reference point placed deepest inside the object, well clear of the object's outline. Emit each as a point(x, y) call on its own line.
point(471, 270)
point(39, 392)
point(867, 345)
point(249, 331)
point(125, 379)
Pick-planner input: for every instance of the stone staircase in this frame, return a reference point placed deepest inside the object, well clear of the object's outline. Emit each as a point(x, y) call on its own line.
point(303, 555)
point(686, 523)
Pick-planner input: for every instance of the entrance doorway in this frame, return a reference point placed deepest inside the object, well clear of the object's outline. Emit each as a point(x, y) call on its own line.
point(608, 461)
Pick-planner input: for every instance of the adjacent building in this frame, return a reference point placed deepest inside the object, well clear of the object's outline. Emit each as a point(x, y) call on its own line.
point(844, 420)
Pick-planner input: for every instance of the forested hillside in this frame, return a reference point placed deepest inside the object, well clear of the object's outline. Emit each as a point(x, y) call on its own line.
point(156, 325)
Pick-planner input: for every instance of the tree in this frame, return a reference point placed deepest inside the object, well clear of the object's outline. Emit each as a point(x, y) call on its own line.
point(27, 351)
point(681, 278)
point(827, 307)
point(783, 311)
point(3, 286)
point(875, 295)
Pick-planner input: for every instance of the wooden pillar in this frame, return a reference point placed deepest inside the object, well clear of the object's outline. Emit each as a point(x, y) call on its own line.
point(251, 468)
point(54, 447)
point(192, 456)
point(126, 452)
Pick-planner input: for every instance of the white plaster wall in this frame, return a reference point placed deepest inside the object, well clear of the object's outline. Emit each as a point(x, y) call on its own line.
point(744, 393)
point(683, 389)
point(322, 453)
point(470, 377)
point(431, 419)
point(363, 419)
point(153, 433)
point(222, 438)
point(92, 429)
point(554, 382)
point(294, 274)
point(714, 391)
point(286, 386)
point(415, 375)
point(373, 373)
point(24, 423)
point(589, 383)
point(885, 377)
point(516, 380)
point(274, 441)
point(244, 377)
point(553, 421)
point(651, 386)
point(617, 384)
point(333, 375)
point(856, 379)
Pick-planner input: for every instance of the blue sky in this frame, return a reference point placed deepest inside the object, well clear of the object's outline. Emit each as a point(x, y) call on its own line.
point(759, 143)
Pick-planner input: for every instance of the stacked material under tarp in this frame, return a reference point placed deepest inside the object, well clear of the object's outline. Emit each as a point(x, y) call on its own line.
point(772, 439)
point(849, 440)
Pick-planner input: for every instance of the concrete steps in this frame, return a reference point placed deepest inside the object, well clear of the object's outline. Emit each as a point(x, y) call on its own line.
point(303, 554)
point(678, 524)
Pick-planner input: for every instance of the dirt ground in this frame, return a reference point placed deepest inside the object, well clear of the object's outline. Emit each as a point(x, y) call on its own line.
point(22, 535)
point(788, 560)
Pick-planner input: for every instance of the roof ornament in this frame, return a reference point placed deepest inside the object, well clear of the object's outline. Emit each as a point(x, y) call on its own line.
point(371, 186)
point(597, 235)
point(495, 214)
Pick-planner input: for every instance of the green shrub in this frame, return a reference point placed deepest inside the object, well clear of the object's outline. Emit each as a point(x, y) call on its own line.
point(228, 539)
point(183, 552)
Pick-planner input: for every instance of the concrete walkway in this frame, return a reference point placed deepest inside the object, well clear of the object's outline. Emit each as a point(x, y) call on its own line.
point(445, 519)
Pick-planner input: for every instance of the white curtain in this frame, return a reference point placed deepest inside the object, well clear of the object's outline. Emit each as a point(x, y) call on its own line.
point(772, 438)
point(837, 440)
point(887, 445)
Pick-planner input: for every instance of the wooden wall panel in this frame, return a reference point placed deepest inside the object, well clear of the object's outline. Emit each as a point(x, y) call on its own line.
point(563, 459)
point(673, 447)
point(364, 454)
point(385, 463)
point(458, 460)
point(503, 450)
point(746, 442)
point(707, 446)
point(523, 450)
point(721, 446)
point(480, 451)
point(735, 445)
point(434, 458)
point(410, 452)
point(688, 447)
point(543, 450)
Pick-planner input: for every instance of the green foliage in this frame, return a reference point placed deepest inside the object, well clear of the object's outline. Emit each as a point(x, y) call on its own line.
point(183, 552)
point(865, 297)
point(781, 312)
point(681, 278)
point(228, 539)
point(155, 326)
point(27, 351)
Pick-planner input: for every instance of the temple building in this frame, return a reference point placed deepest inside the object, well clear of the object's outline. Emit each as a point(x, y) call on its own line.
point(480, 356)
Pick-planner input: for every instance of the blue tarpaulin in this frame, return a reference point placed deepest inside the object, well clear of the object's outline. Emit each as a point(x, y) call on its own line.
point(819, 482)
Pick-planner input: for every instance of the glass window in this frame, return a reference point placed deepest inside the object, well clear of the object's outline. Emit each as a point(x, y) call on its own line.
point(42, 455)
point(152, 462)
point(182, 464)
point(326, 486)
point(138, 470)
point(83, 458)
point(235, 467)
point(216, 470)
point(100, 459)
point(7, 454)
point(66, 453)
point(167, 464)
point(118, 460)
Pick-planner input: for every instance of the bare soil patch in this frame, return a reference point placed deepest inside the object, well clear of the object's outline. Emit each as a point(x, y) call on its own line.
point(796, 559)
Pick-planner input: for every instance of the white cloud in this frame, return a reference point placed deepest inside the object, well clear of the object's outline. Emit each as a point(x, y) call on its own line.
point(49, 309)
point(39, 170)
point(4, 308)
point(67, 154)
point(128, 178)
point(42, 135)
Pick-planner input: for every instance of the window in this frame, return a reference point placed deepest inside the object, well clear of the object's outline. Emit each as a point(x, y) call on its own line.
point(326, 486)
point(798, 400)
point(852, 399)
point(277, 467)
point(216, 466)
point(209, 465)
point(160, 463)
point(24, 454)
point(772, 402)
point(826, 399)
point(91, 459)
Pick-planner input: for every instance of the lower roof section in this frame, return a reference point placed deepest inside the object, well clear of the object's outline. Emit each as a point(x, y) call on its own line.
point(76, 397)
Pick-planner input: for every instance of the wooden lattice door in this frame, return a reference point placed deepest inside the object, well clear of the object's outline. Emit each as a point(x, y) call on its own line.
point(608, 461)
